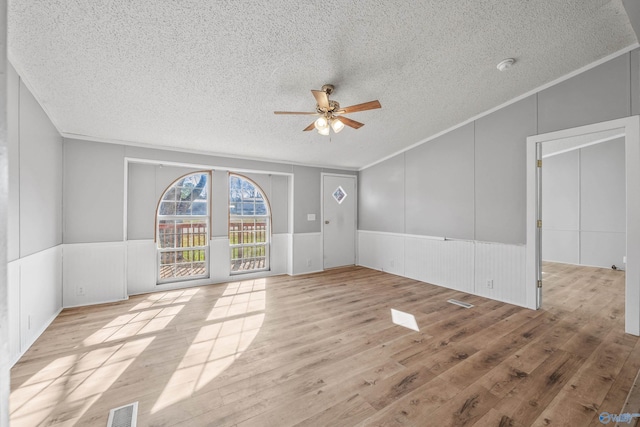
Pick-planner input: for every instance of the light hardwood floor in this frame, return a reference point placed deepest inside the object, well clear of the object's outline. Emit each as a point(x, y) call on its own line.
point(320, 350)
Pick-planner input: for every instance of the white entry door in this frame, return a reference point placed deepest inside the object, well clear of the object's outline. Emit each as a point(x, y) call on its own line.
point(339, 220)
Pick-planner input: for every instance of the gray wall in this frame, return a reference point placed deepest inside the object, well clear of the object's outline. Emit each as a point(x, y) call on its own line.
point(561, 207)
point(381, 196)
point(94, 185)
point(306, 199)
point(443, 172)
point(600, 94)
point(93, 192)
point(470, 183)
point(146, 184)
point(279, 200)
point(13, 148)
point(583, 197)
point(500, 172)
point(35, 174)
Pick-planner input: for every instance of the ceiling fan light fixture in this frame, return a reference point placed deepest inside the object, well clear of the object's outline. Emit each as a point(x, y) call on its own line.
point(336, 125)
point(324, 131)
point(322, 123)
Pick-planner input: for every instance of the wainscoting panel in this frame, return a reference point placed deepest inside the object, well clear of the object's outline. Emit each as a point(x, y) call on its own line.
point(280, 253)
point(447, 263)
point(500, 272)
point(40, 288)
point(13, 281)
point(382, 251)
point(94, 273)
point(141, 266)
point(290, 254)
point(219, 260)
point(464, 265)
point(307, 253)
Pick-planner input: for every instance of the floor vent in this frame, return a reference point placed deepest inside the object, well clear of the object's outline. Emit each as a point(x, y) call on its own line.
point(124, 416)
point(460, 303)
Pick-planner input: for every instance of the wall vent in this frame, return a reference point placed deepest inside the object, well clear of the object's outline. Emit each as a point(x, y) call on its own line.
point(124, 416)
point(460, 303)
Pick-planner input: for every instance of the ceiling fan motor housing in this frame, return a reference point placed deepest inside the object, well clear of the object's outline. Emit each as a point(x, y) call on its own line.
point(328, 89)
point(333, 106)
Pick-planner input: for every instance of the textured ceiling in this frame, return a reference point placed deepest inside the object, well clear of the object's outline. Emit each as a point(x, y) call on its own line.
point(207, 75)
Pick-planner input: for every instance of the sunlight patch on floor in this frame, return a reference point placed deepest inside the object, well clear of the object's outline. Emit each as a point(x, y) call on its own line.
point(166, 298)
point(75, 381)
point(235, 324)
point(130, 325)
point(404, 319)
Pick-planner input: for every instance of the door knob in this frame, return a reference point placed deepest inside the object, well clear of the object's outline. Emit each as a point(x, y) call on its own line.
point(326, 222)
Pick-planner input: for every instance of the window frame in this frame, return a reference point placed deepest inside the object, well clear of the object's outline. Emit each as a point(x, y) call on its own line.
point(267, 231)
point(205, 218)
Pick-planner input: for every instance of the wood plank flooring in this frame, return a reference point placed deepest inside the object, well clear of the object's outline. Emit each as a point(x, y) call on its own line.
point(321, 350)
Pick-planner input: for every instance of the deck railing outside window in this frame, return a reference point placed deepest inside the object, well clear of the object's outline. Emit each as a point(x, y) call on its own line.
point(248, 240)
point(183, 247)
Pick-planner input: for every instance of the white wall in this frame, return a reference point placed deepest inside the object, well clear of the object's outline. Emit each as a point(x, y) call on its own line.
point(93, 273)
point(307, 253)
point(463, 265)
point(583, 205)
point(35, 284)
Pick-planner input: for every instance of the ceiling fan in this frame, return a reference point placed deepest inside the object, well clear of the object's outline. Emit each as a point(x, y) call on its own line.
point(331, 115)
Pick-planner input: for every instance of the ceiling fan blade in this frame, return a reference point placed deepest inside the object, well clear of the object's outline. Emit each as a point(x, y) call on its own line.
point(310, 127)
point(352, 123)
point(294, 112)
point(371, 105)
point(321, 98)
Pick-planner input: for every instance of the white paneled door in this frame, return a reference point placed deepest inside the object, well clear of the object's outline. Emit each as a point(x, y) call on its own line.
point(339, 220)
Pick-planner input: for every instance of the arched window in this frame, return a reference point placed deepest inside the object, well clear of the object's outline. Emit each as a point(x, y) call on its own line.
point(182, 229)
point(249, 226)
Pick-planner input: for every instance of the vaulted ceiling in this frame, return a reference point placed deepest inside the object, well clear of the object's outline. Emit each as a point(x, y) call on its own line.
point(206, 76)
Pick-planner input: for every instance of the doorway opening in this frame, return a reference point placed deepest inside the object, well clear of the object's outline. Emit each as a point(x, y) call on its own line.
point(584, 243)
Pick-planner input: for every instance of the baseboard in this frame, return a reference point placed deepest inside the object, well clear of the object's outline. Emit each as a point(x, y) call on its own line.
point(96, 303)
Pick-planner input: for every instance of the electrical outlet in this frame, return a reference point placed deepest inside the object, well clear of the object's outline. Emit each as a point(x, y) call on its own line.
point(80, 291)
point(490, 283)
point(29, 322)
point(308, 262)
point(391, 263)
